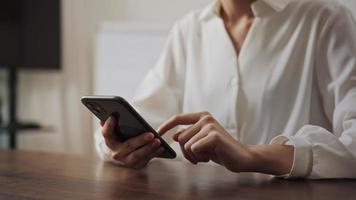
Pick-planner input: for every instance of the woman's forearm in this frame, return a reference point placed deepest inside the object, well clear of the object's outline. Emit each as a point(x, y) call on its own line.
point(273, 159)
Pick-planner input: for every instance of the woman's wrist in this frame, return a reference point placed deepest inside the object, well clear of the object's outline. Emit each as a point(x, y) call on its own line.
point(273, 159)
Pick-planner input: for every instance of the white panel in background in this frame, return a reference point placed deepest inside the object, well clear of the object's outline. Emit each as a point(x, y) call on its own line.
point(124, 53)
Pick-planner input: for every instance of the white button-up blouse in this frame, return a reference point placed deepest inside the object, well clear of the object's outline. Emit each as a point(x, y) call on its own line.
point(293, 82)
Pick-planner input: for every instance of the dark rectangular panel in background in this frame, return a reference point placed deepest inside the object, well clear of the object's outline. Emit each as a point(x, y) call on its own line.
point(10, 16)
point(41, 33)
point(30, 34)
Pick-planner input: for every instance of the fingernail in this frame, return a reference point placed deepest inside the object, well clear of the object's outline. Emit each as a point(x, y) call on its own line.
point(156, 143)
point(149, 136)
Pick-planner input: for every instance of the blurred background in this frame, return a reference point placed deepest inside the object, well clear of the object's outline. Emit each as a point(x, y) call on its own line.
point(100, 47)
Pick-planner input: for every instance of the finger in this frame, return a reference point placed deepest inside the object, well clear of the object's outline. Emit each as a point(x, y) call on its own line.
point(191, 131)
point(108, 133)
point(203, 146)
point(156, 153)
point(142, 153)
point(181, 119)
point(205, 121)
point(201, 134)
point(184, 136)
point(201, 154)
point(109, 127)
point(187, 155)
point(130, 145)
point(176, 135)
point(188, 146)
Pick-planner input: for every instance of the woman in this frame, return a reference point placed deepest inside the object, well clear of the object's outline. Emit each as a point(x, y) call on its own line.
point(278, 82)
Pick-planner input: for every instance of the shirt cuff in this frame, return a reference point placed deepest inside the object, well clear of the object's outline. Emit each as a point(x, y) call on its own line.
point(303, 159)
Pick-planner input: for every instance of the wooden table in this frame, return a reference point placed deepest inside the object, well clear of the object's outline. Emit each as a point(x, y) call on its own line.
point(31, 175)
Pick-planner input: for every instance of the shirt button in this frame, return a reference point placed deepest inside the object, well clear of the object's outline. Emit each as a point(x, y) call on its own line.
point(233, 82)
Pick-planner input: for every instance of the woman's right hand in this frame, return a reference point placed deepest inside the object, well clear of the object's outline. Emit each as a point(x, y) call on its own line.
point(135, 152)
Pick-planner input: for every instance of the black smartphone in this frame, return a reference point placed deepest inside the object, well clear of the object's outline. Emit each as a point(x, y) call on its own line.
point(130, 123)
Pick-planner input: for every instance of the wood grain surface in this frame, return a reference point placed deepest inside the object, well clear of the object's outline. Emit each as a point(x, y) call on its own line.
point(33, 175)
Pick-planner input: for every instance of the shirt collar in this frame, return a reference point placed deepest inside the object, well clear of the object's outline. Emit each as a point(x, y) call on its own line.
point(260, 8)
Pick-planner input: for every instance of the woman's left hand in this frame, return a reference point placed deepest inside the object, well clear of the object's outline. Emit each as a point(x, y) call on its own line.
point(207, 140)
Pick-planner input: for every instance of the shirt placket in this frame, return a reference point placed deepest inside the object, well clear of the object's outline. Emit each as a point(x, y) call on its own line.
point(234, 85)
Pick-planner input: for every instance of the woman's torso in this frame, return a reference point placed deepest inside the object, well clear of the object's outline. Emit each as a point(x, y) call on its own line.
point(272, 87)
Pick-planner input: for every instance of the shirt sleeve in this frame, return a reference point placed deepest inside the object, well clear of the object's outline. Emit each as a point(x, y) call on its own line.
point(320, 153)
point(160, 94)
